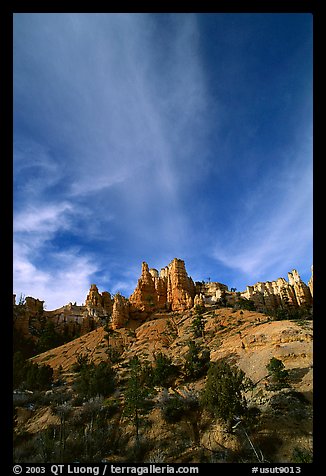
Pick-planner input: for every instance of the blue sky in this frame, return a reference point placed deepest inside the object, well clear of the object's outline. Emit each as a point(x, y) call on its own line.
point(145, 137)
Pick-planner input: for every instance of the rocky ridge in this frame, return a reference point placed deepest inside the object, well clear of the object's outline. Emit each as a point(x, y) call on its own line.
point(159, 318)
point(280, 293)
point(171, 289)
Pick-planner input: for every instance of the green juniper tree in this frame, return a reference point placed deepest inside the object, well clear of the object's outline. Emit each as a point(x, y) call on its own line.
point(198, 322)
point(29, 375)
point(277, 372)
point(50, 338)
point(196, 361)
point(94, 379)
point(163, 371)
point(223, 395)
point(137, 393)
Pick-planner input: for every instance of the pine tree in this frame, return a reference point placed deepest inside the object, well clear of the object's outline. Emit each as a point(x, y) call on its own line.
point(196, 361)
point(223, 394)
point(198, 323)
point(164, 371)
point(94, 380)
point(277, 372)
point(137, 394)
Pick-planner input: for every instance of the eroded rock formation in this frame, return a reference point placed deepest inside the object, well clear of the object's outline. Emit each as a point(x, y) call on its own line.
point(311, 282)
point(172, 288)
point(169, 289)
point(211, 291)
point(301, 290)
point(120, 313)
point(97, 303)
point(280, 293)
point(145, 297)
point(34, 306)
point(30, 317)
point(180, 287)
point(199, 300)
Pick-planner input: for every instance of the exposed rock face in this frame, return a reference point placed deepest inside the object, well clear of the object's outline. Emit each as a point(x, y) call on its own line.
point(311, 283)
point(285, 413)
point(212, 291)
point(30, 317)
point(107, 302)
point(34, 306)
point(88, 324)
point(161, 292)
point(154, 272)
point(199, 300)
point(28, 314)
point(301, 290)
point(120, 313)
point(172, 288)
point(280, 293)
point(169, 289)
point(180, 287)
point(97, 303)
point(145, 297)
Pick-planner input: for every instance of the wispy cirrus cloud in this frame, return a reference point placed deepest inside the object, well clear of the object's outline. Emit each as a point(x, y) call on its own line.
point(42, 220)
point(148, 137)
point(67, 280)
point(40, 269)
point(123, 127)
point(276, 229)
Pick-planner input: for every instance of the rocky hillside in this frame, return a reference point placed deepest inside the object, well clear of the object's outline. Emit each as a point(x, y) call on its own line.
point(248, 339)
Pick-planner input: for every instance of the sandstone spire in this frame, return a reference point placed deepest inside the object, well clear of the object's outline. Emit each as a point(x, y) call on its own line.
point(97, 302)
point(311, 283)
point(280, 293)
point(172, 288)
point(120, 312)
point(144, 298)
point(301, 290)
point(180, 287)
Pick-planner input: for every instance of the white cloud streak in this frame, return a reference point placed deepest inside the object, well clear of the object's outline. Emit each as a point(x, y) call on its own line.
point(121, 110)
point(41, 220)
point(65, 275)
point(67, 282)
point(276, 230)
point(128, 120)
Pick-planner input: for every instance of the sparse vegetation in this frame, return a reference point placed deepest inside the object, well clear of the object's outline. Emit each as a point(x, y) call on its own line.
point(224, 392)
point(164, 371)
point(182, 407)
point(302, 455)
point(137, 394)
point(291, 313)
point(150, 300)
point(223, 300)
point(113, 354)
point(22, 344)
point(171, 330)
point(94, 380)
point(196, 361)
point(245, 304)
point(198, 322)
point(130, 409)
point(29, 375)
point(82, 362)
point(278, 374)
